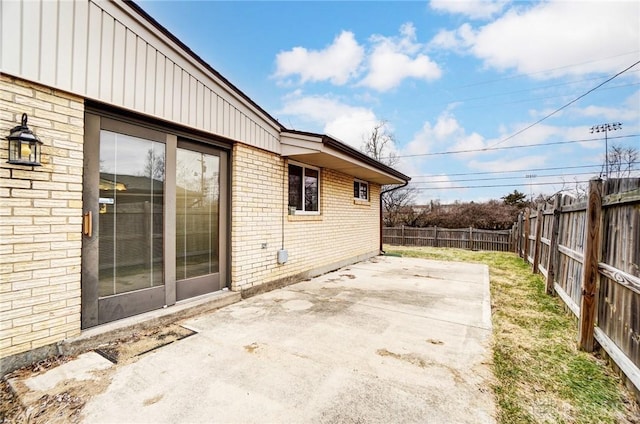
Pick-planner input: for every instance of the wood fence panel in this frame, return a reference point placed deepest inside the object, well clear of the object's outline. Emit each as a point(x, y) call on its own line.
point(619, 297)
point(553, 245)
point(615, 285)
point(569, 276)
point(537, 245)
point(460, 238)
point(531, 236)
point(571, 239)
point(545, 240)
point(519, 233)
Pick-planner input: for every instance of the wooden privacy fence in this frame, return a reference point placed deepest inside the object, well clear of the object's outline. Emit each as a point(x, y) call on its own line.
point(463, 238)
point(589, 253)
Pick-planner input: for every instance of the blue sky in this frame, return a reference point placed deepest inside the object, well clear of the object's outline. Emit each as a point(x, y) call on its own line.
point(444, 76)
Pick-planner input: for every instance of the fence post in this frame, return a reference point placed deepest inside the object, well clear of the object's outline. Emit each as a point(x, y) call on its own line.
point(471, 238)
point(402, 235)
point(520, 231)
point(590, 274)
point(537, 244)
point(553, 245)
point(527, 229)
point(435, 236)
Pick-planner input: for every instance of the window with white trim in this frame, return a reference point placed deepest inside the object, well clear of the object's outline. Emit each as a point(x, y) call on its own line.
point(360, 190)
point(304, 188)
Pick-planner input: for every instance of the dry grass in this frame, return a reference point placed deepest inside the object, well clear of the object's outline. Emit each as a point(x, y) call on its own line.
point(541, 376)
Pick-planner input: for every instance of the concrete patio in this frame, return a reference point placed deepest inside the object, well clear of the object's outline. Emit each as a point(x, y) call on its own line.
point(386, 340)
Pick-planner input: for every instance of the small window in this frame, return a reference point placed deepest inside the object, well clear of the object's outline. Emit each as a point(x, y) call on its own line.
point(360, 190)
point(304, 186)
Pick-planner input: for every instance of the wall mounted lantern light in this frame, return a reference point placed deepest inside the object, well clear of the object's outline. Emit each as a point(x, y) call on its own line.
point(25, 148)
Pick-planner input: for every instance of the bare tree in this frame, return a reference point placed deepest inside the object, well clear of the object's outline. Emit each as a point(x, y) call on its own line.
point(396, 204)
point(622, 160)
point(397, 207)
point(379, 144)
point(574, 189)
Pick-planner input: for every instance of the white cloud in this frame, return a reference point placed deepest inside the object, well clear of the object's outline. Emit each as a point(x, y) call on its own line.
point(625, 112)
point(337, 63)
point(475, 9)
point(513, 164)
point(446, 134)
point(560, 37)
point(473, 141)
point(393, 59)
point(347, 123)
point(535, 135)
point(388, 62)
point(352, 126)
point(458, 40)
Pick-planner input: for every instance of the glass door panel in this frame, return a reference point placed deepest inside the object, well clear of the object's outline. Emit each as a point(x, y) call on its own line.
point(197, 215)
point(131, 206)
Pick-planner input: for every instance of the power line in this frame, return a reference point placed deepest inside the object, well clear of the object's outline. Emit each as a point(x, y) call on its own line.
point(513, 177)
point(565, 106)
point(543, 71)
point(521, 146)
point(535, 99)
point(506, 172)
point(528, 90)
point(500, 185)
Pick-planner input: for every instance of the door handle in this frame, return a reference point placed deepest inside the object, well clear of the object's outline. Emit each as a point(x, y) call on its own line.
point(87, 224)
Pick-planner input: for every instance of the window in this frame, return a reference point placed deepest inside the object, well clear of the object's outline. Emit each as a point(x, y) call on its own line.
point(360, 190)
point(303, 188)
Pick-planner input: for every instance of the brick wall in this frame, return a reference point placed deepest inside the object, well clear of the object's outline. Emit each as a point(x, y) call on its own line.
point(346, 229)
point(40, 220)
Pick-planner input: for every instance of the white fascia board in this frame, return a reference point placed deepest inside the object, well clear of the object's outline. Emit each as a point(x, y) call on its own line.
point(299, 144)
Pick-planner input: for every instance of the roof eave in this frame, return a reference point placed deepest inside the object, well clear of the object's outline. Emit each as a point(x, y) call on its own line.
point(326, 152)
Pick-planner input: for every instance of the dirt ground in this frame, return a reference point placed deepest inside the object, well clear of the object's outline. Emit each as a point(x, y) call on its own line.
point(64, 403)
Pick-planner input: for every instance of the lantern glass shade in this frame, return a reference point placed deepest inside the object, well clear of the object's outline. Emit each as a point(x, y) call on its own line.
point(25, 148)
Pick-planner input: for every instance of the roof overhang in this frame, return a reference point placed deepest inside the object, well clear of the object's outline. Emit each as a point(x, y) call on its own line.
point(326, 152)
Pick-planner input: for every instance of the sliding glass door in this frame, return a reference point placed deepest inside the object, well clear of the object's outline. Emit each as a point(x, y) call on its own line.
point(155, 217)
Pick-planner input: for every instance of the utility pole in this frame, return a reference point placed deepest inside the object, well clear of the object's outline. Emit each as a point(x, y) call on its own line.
point(531, 177)
point(606, 128)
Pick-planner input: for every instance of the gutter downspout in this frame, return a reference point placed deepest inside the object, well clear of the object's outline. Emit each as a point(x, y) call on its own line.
point(381, 218)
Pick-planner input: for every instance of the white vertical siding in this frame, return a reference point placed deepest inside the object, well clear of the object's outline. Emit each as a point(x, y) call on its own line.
point(104, 51)
point(49, 42)
point(65, 45)
point(150, 81)
point(30, 53)
point(141, 71)
point(11, 35)
point(80, 21)
point(206, 109)
point(192, 96)
point(168, 88)
point(107, 46)
point(161, 68)
point(94, 46)
point(118, 63)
